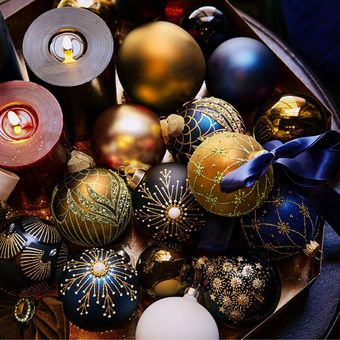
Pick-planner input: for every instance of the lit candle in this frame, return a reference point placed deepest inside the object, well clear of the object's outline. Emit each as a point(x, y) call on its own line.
point(32, 142)
point(70, 52)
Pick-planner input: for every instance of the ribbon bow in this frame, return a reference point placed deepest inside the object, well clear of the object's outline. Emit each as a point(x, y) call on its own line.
point(309, 162)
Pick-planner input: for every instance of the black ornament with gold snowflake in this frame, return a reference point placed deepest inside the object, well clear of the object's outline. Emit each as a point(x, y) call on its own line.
point(284, 225)
point(241, 291)
point(164, 205)
point(32, 256)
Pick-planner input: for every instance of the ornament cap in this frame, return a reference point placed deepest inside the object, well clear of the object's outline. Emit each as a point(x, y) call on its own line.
point(133, 174)
point(191, 293)
point(312, 249)
point(79, 161)
point(172, 126)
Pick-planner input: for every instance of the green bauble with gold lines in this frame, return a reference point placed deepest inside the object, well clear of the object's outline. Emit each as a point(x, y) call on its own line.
point(91, 207)
point(218, 155)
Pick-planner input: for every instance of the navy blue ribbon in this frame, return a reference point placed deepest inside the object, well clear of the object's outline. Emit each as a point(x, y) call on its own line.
point(308, 162)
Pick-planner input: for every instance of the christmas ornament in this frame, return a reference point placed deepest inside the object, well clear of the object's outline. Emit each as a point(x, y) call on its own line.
point(99, 289)
point(160, 65)
point(140, 11)
point(91, 207)
point(242, 71)
point(202, 117)
point(287, 117)
point(218, 155)
point(242, 290)
point(209, 26)
point(284, 225)
point(163, 204)
point(32, 255)
point(27, 318)
point(164, 268)
point(177, 318)
point(127, 134)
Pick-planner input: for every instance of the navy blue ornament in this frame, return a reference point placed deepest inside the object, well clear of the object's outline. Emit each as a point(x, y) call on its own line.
point(99, 290)
point(32, 256)
point(284, 225)
point(202, 117)
point(164, 205)
point(209, 26)
point(240, 290)
point(242, 71)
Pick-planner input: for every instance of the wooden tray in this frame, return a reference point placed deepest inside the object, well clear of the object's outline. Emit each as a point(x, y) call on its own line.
point(298, 272)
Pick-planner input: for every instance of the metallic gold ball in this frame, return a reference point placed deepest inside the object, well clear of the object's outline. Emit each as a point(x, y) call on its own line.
point(286, 117)
point(91, 207)
point(127, 134)
point(164, 268)
point(160, 65)
point(218, 155)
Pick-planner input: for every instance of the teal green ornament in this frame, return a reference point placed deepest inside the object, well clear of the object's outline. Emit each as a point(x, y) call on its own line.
point(91, 207)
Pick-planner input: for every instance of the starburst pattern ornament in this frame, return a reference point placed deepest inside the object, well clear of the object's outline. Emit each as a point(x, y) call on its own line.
point(92, 207)
point(31, 255)
point(164, 205)
point(99, 289)
point(283, 229)
point(240, 291)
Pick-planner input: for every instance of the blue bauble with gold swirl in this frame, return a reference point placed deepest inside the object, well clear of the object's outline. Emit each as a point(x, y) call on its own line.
point(284, 225)
point(203, 117)
point(32, 256)
point(99, 289)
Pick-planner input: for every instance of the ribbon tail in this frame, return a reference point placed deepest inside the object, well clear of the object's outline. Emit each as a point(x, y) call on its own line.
point(327, 203)
point(216, 234)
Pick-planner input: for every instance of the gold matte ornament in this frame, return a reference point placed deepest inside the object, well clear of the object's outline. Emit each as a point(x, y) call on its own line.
point(126, 135)
point(287, 117)
point(160, 65)
point(215, 157)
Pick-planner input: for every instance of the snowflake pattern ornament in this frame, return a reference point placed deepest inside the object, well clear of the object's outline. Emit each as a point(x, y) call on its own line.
point(240, 290)
point(284, 225)
point(164, 205)
point(99, 290)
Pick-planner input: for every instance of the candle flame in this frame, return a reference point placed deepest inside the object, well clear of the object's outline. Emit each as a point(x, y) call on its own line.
point(85, 3)
point(67, 43)
point(13, 118)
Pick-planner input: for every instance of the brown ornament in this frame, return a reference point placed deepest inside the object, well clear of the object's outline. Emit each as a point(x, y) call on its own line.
point(163, 269)
point(160, 65)
point(218, 155)
point(127, 134)
point(287, 117)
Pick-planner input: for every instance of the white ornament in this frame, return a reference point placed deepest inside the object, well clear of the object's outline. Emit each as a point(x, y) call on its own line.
point(177, 318)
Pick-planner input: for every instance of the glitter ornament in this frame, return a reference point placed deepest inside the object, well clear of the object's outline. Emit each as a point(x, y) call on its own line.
point(284, 225)
point(99, 290)
point(164, 268)
point(218, 155)
point(91, 207)
point(32, 256)
point(163, 204)
point(203, 117)
point(177, 318)
point(240, 290)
